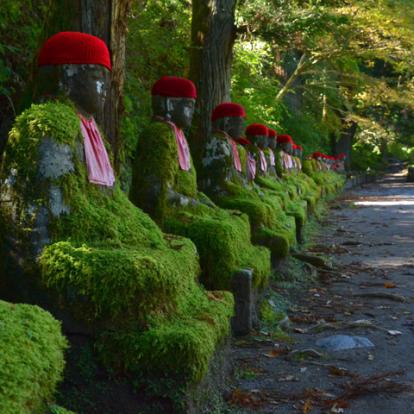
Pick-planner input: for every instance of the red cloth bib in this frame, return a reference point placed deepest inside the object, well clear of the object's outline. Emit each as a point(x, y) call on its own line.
point(97, 161)
point(251, 167)
point(184, 157)
point(272, 158)
point(236, 156)
point(263, 162)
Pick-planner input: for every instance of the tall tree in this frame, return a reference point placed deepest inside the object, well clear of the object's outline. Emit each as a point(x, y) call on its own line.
point(213, 34)
point(106, 19)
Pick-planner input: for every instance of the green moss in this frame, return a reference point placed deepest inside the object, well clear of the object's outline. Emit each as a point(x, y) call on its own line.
point(110, 264)
point(175, 348)
point(222, 237)
point(32, 361)
point(56, 409)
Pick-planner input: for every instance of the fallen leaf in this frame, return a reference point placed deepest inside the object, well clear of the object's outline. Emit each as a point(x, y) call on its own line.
point(274, 353)
point(394, 333)
point(339, 372)
point(390, 285)
point(307, 407)
point(300, 330)
point(336, 403)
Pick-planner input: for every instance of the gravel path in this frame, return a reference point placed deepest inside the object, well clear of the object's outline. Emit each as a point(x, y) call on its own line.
point(370, 293)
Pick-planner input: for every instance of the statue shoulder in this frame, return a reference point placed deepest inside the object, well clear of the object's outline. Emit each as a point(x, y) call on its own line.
point(157, 133)
point(57, 120)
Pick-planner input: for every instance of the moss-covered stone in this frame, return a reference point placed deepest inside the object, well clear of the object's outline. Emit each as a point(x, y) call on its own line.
point(230, 190)
point(104, 259)
point(32, 361)
point(171, 197)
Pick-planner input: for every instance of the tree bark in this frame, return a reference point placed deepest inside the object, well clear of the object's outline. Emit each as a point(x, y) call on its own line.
point(344, 144)
point(106, 19)
point(211, 55)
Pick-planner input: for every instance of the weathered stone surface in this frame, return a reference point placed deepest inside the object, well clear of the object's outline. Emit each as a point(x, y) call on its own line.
point(57, 205)
point(344, 342)
point(55, 159)
point(242, 286)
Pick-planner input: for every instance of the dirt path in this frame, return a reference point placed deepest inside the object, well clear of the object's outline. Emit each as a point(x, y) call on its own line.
point(370, 237)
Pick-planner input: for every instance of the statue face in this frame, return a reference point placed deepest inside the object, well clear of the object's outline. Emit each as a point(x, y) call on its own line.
point(272, 143)
point(285, 146)
point(260, 141)
point(85, 85)
point(180, 111)
point(234, 126)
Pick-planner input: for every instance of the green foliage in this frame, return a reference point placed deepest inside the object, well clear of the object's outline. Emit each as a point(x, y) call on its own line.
point(157, 45)
point(19, 47)
point(32, 358)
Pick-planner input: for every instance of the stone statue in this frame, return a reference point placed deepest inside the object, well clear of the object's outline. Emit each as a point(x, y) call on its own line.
point(224, 184)
point(165, 186)
point(73, 237)
point(270, 152)
point(258, 135)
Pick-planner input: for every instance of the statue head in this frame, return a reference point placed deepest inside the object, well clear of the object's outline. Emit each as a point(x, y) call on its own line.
point(75, 65)
point(229, 117)
point(272, 139)
point(258, 135)
point(173, 99)
point(285, 143)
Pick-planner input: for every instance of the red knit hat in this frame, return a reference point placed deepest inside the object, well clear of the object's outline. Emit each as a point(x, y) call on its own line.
point(174, 87)
point(243, 141)
point(228, 109)
point(272, 133)
point(284, 139)
point(341, 156)
point(299, 147)
point(74, 48)
point(257, 129)
point(317, 154)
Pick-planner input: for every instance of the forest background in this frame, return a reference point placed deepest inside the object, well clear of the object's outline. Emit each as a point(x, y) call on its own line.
point(337, 75)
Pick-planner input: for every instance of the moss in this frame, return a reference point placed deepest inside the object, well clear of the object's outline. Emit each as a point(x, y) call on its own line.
point(32, 361)
point(222, 237)
point(266, 228)
point(109, 263)
point(270, 226)
point(175, 348)
point(56, 409)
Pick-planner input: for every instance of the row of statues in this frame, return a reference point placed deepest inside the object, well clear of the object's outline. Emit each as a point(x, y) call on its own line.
point(127, 267)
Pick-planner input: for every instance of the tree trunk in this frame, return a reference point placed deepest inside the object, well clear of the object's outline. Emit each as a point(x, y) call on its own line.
point(344, 144)
point(106, 19)
point(212, 39)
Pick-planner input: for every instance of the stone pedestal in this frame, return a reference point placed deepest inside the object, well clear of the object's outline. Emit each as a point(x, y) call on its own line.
point(242, 287)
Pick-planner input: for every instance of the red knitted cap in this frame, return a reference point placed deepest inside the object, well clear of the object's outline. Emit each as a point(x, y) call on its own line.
point(272, 133)
point(243, 141)
point(257, 129)
point(228, 109)
point(74, 48)
point(317, 154)
point(341, 156)
point(174, 87)
point(299, 147)
point(284, 139)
